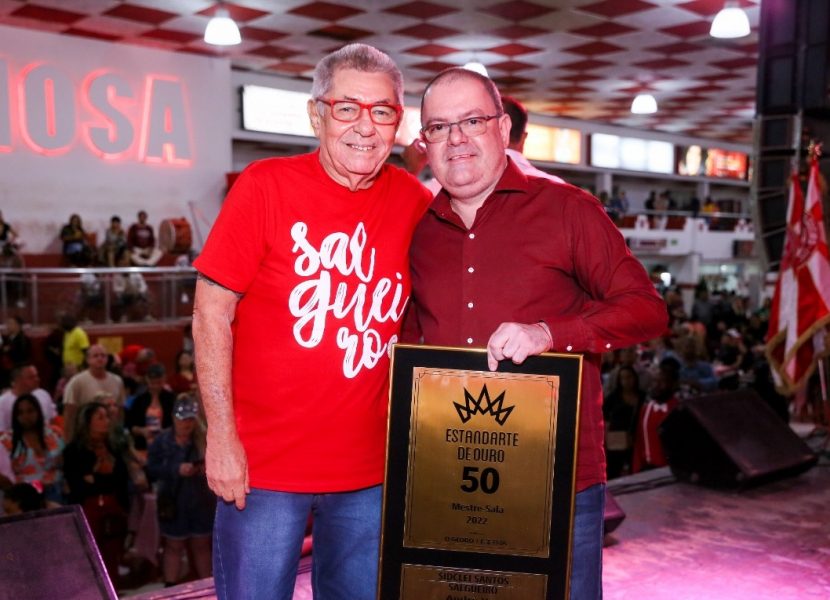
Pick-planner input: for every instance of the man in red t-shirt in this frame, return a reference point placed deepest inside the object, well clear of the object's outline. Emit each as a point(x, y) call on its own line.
point(303, 283)
point(522, 265)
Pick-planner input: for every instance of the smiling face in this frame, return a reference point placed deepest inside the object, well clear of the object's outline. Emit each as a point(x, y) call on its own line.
point(468, 167)
point(352, 153)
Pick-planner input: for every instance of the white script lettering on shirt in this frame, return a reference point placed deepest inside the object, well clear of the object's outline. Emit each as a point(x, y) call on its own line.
point(313, 299)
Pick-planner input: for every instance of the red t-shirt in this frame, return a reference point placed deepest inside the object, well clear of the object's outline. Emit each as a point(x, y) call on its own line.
point(648, 449)
point(325, 282)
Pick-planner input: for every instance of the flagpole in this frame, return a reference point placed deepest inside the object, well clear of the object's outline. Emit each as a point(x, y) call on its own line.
point(814, 152)
point(822, 376)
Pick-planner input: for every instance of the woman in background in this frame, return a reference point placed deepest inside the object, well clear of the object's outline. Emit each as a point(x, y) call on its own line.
point(33, 449)
point(75, 244)
point(184, 379)
point(176, 460)
point(98, 480)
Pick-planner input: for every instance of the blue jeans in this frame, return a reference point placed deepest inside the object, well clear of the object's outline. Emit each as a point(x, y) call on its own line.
point(586, 554)
point(256, 551)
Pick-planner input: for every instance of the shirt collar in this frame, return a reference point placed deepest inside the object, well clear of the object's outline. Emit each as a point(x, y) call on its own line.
point(512, 180)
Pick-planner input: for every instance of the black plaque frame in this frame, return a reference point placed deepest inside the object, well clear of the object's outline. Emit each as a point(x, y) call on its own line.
point(394, 554)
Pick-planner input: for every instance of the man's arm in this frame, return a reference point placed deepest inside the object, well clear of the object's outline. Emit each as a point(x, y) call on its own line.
point(225, 459)
point(70, 411)
point(622, 308)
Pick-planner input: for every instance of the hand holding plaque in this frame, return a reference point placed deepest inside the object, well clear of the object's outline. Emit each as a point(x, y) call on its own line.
point(479, 490)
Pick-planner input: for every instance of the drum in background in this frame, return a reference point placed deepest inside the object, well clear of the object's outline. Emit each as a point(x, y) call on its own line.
point(175, 236)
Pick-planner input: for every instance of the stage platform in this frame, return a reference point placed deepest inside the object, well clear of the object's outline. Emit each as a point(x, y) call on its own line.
point(685, 542)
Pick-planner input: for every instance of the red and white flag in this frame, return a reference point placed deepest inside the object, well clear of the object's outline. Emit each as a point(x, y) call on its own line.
point(800, 310)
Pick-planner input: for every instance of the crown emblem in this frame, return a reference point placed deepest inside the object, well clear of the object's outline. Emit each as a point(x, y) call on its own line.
point(483, 405)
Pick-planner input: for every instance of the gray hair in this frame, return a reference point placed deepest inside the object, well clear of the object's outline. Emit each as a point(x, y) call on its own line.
point(360, 57)
point(455, 73)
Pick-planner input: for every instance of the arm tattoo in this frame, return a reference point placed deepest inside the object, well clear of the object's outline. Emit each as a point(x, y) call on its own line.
point(210, 281)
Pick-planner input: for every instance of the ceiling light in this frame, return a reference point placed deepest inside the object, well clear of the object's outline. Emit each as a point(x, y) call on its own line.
point(644, 104)
point(221, 30)
point(476, 67)
point(730, 22)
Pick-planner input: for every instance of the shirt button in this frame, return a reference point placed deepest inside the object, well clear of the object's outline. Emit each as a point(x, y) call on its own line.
point(469, 340)
point(569, 348)
point(470, 270)
point(469, 304)
point(472, 236)
point(607, 346)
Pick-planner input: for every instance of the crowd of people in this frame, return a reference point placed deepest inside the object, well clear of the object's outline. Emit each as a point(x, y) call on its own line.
point(281, 448)
point(718, 347)
point(112, 434)
point(134, 247)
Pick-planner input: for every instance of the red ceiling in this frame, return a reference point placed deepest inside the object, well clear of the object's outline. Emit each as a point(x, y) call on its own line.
point(569, 58)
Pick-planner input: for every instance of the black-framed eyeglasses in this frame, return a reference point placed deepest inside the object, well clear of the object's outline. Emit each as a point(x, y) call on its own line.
point(349, 111)
point(471, 127)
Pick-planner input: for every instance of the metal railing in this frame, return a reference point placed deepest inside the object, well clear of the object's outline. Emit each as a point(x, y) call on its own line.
point(97, 295)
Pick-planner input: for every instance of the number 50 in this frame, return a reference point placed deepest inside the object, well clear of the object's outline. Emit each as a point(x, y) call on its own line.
point(489, 480)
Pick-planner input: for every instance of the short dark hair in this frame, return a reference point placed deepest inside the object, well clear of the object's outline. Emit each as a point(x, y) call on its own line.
point(453, 73)
point(518, 118)
point(18, 370)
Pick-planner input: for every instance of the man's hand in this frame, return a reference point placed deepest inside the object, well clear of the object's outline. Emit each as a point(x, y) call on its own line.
point(227, 469)
point(517, 341)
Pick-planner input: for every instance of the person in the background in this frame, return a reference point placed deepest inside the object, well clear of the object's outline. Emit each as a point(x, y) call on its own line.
point(21, 498)
point(620, 409)
point(141, 242)
point(151, 411)
point(731, 360)
point(25, 380)
point(9, 243)
point(34, 449)
point(16, 349)
point(695, 373)
point(176, 461)
point(98, 480)
point(618, 206)
point(648, 449)
point(114, 249)
point(83, 387)
point(522, 265)
point(75, 341)
point(76, 248)
point(184, 378)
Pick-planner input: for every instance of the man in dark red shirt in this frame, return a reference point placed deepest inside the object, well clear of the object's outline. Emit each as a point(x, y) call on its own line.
point(141, 242)
point(523, 265)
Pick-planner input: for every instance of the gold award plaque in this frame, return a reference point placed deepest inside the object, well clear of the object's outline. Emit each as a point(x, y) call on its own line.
point(437, 583)
point(481, 451)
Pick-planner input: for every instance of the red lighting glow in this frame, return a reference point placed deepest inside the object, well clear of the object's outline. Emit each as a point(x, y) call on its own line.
point(44, 110)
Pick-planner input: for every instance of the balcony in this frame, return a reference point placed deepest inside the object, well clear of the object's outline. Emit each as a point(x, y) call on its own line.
point(715, 237)
point(100, 296)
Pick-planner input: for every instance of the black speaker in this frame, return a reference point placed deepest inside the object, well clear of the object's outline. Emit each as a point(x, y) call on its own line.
point(732, 439)
point(51, 554)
